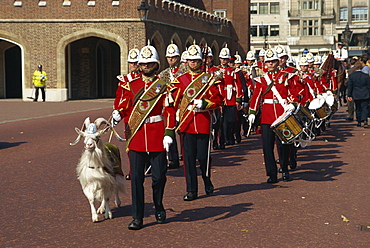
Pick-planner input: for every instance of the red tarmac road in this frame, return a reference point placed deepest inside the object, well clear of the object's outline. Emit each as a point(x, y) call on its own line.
point(42, 204)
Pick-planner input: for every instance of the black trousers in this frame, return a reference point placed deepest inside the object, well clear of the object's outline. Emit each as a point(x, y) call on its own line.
point(362, 111)
point(216, 127)
point(138, 160)
point(196, 146)
point(229, 123)
point(37, 93)
point(268, 142)
point(173, 153)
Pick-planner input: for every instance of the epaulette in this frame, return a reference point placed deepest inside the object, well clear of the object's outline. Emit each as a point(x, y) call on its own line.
point(125, 85)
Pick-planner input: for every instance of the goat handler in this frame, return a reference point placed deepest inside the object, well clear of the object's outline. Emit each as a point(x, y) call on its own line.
point(147, 102)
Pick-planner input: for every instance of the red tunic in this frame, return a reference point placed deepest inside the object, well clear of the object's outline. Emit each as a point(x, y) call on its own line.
point(196, 122)
point(149, 137)
point(271, 108)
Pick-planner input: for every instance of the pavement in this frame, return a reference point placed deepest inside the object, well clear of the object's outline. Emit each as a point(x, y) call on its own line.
point(326, 204)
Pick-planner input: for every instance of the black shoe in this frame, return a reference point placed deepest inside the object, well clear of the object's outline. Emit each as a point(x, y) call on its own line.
point(272, 180)
point(349, 119)
point(190, 196)
point(35, 100)
point(359, 124)
point(174, 164)
point(160, 216)
point(135, 224)
point(209, 190)
point(293, 164)
point(128, 177)
point(280, 170)
point(222, 147)
point(215, 147)
point(286, 176)
point(238, 140)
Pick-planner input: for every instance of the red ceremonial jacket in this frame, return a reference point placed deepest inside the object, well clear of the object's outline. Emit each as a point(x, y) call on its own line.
point(271, 108)
point(196, 122)
point(231, 86)
point(149, 137)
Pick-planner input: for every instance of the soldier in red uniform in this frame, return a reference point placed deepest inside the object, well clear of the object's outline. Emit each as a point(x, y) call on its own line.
point(168, 75)
point(123, 85)
point(196, 96)
point(276, 90)
point(261, 62)
point(231, 90)
point(147, 103)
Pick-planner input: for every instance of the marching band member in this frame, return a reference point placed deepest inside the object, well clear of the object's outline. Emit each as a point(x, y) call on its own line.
point(276, 90)
point(123, 85)
point(150, 131)
point(231, 90)
point(261, 62)
point(196, 96)
point(168, 75)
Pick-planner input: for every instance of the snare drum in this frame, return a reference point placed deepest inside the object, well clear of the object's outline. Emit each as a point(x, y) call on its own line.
point(303, 115)
point(287, 127)
point(334, 107)
point(320, 108)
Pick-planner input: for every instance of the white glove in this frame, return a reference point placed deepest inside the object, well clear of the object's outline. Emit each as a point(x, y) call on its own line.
point(198, 103)
point(167, 141)
point(289, 107)
point(329, 93)
point(116, 117)
point(251, 118)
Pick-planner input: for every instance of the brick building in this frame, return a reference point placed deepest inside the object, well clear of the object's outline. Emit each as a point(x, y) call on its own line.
point(83, 44)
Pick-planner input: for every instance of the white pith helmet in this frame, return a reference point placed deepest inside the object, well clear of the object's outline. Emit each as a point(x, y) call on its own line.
point(318, 60)
point(310, 57)
point(250, 56)
point(238, 59)
point(271, 55)
point(194, 52)
point(303, 61)
point(261, 53)
point(133, 56)
point(148, 54)
point(224, 53)
point(172, 50)
point(184, 55)
point(281, 51)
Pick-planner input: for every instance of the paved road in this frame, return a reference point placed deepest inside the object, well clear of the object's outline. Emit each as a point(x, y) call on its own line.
point(42, 204)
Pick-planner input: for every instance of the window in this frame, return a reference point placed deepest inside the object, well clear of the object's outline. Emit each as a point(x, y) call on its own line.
point(263, 10)
point(310, 27)
point(310, 4)
point(253, 30)
point(343, 14)
point(254, 8)
point(359, 14)
point(264, 30)
point(274, 8)
point(274, 30)
point(220, 13)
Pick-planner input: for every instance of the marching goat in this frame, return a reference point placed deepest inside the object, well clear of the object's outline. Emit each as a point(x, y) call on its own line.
point(99, 169)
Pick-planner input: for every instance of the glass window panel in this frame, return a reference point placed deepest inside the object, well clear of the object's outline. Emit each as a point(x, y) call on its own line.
point(274, 30)
point(274, 8)
point(359, 14)
point(304, 4)
point(263, 9)
point(262, 30)
point(304, 31)
point(254, 30)
point(253, 8)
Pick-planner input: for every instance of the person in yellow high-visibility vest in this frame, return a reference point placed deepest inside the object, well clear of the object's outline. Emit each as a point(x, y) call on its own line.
point(39, 82)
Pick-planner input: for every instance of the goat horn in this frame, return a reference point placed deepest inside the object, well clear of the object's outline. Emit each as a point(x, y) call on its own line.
point(101, 120)
point(84, 125)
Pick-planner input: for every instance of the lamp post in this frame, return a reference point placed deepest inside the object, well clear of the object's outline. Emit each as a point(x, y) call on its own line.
point(346, 37)
point(143, 9)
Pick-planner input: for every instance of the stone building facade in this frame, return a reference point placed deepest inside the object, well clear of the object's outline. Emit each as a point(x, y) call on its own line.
point(83, 45)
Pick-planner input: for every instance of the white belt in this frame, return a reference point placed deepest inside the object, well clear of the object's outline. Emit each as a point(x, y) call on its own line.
point(270, 101)
point(195, 109)
point(152, 119)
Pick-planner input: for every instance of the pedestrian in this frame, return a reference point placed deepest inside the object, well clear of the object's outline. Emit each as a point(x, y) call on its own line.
point(365, 67)
point(39, 82)
point(359, 92)
point(350, 104)
point(196, 97)
point(150, 129)
point(276, 90)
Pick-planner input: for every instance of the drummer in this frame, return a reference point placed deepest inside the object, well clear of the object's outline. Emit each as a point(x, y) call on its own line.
point(274, 89)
